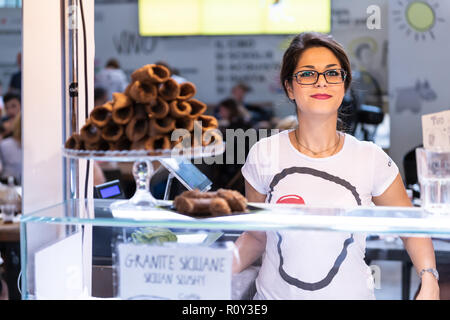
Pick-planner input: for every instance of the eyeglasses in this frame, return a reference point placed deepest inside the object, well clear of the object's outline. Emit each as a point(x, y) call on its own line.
point(334, 76)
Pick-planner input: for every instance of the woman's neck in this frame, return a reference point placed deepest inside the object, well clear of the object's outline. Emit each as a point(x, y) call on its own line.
point(317, 137)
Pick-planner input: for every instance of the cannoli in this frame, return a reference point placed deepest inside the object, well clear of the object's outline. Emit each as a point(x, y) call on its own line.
point(181, 138)
point(141, 111)
point(211, 137)
point(139, 145)
point(187, 91)
point(112, 132)
point(197, 108)
point(219, 207)
point(198, 194)
point(235, 200)
point(157, 143)
point(160, 73)
point(202, 206)
point(101, 145)
point(179, 109)
point(127, 89)
point(137, 128)
point(89, 133)
point(100, 115)
point(151, 73)
point(123, 109)
point(143, 92)
point(184, 123)
point(122, 144)
point(191, 206)
point(169, 90)
point(161, 126)
point(206, 123)
point(160, 109)
point(74, 142)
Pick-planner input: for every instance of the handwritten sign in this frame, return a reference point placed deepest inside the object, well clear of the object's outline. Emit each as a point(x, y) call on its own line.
point(174, 271)
point(436, 131)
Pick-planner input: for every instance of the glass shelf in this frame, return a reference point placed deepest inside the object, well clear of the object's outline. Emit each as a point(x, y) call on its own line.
point(139, 155)
point(143, 168)
point(374, 220)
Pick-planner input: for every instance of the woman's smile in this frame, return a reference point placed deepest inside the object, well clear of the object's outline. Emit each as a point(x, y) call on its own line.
point(321, 96)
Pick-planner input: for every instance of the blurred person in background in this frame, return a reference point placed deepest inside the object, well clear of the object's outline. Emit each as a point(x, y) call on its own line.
point(100, 96)
point(256, 115)
point(174, 73)
point(238, 93)
point(2, 104)
point(229, 116)
point(11, 153)
point(12, 108)
point(3, 286)
point(228, 175)
point(286, 123)
point(111, 78)
point(15, 84)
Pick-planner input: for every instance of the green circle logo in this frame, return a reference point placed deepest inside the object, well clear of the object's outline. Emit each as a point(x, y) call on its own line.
point(420, 16)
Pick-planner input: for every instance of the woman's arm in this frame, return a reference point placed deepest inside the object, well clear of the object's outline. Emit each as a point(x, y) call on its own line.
point(420, 250)
point(251, 244)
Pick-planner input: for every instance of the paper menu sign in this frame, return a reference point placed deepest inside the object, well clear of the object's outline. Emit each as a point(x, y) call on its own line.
point(436, 131)
point(180, 272)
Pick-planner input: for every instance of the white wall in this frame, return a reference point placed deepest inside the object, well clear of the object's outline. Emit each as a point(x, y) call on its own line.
point(418, 71)
point(42, 104)
point(42, 119)
point(10, 43)
point(214, 64)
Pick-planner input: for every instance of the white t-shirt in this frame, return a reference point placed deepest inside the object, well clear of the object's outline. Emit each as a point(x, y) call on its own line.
point(316, 264)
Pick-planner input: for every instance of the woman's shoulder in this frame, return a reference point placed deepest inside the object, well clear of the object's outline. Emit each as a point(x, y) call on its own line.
point(359, 144)
point(367, 150)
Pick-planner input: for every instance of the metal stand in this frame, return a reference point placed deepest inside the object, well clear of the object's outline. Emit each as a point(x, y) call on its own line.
point(168, 186)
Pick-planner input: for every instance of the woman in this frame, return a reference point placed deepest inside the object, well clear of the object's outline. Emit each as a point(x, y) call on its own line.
point(317, 165)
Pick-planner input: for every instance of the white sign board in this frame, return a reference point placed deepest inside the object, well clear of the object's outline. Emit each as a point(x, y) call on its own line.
point(436, 131)
point(174, 271)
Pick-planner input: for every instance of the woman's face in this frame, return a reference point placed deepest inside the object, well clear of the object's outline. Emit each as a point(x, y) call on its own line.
point(320, 98)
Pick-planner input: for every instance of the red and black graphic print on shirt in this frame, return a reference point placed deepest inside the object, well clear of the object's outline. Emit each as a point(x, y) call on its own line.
point(340, 183)
point(291, 199)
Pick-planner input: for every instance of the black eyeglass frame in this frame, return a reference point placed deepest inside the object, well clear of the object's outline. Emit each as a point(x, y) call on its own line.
point(342, 71)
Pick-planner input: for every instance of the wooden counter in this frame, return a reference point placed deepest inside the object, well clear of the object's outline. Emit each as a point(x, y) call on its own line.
point(9, 232)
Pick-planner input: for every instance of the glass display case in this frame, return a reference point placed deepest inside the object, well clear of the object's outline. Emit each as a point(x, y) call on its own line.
point(82, 259)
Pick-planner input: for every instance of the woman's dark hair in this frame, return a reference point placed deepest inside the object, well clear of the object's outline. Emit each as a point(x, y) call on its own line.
point(307, 40)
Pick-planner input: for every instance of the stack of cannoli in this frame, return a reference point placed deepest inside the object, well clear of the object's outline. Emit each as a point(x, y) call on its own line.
point(203, 204)
point(146, 115)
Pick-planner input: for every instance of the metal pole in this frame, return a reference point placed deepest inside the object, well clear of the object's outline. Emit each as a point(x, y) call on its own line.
point(71, 65)
point(168, 185)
